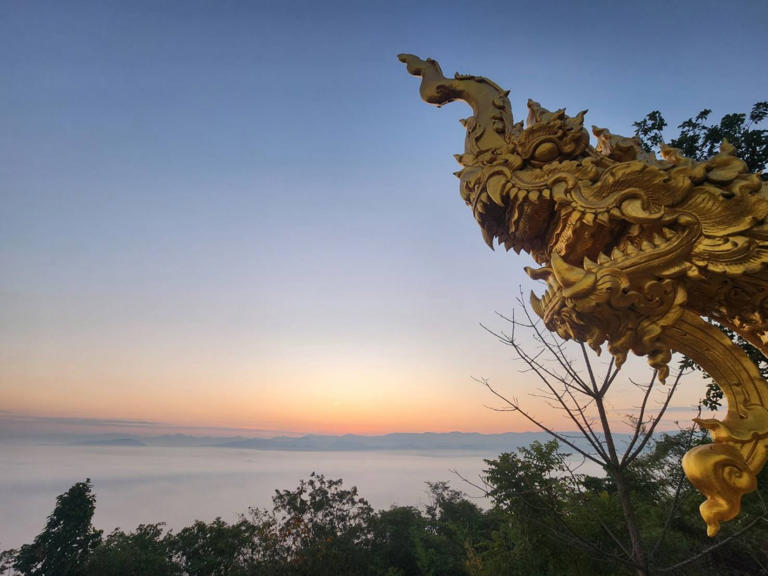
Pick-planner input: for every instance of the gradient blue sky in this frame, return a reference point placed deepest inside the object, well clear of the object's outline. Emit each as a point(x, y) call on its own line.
point(241, 214)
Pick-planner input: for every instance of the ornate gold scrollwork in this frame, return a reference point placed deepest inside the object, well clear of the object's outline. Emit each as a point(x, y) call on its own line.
point(634, 250)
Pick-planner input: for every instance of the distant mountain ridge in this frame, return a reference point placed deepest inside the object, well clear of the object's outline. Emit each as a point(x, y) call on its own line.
point(112, 442)
point(394, 441)
point(400, 441)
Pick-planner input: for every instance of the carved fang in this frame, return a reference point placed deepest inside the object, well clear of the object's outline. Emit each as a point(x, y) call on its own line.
point(574, 280)
point(488, 237)
point(495, 187)
point(536, 305)
point(558, 191)
point(542, 273)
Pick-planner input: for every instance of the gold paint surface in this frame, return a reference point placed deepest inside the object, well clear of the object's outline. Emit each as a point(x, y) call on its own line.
point(634, 250)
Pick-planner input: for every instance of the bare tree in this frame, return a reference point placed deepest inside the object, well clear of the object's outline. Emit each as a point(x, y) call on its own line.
point(577, 386)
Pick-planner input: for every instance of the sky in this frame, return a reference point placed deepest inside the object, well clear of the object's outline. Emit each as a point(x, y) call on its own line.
point(241, 216)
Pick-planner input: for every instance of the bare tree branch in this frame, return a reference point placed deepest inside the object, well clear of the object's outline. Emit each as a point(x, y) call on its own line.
point(714, 546)
point(639, 422)
point(676, 498)
point(539, 424)
point(628, 459)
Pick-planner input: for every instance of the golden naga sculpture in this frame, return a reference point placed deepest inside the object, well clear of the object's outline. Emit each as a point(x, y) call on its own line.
point(634, 250)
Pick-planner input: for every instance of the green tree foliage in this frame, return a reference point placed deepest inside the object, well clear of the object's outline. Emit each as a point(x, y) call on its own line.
point(322, 528)
point(531, 488)
point(144, 551)
point(544, 519)
point(455, 533)
point(68, 539)
point(699, 139)
point(396, 536)
point(7, 558)
point(560, 522)
point(214, 549)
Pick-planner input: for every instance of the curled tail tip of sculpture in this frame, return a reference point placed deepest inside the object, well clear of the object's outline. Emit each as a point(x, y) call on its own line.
point(719, 471)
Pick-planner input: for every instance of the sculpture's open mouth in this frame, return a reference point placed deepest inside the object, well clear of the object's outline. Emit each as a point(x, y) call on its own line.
point(518, 218)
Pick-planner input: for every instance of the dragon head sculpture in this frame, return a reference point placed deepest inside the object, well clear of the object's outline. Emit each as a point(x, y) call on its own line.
point(634, 249)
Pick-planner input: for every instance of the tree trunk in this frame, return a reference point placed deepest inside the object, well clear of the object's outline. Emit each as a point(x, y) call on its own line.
point(638, 553)
point(615, 470)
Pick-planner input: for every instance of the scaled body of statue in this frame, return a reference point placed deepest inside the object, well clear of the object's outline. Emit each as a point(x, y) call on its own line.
point(634, 250)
